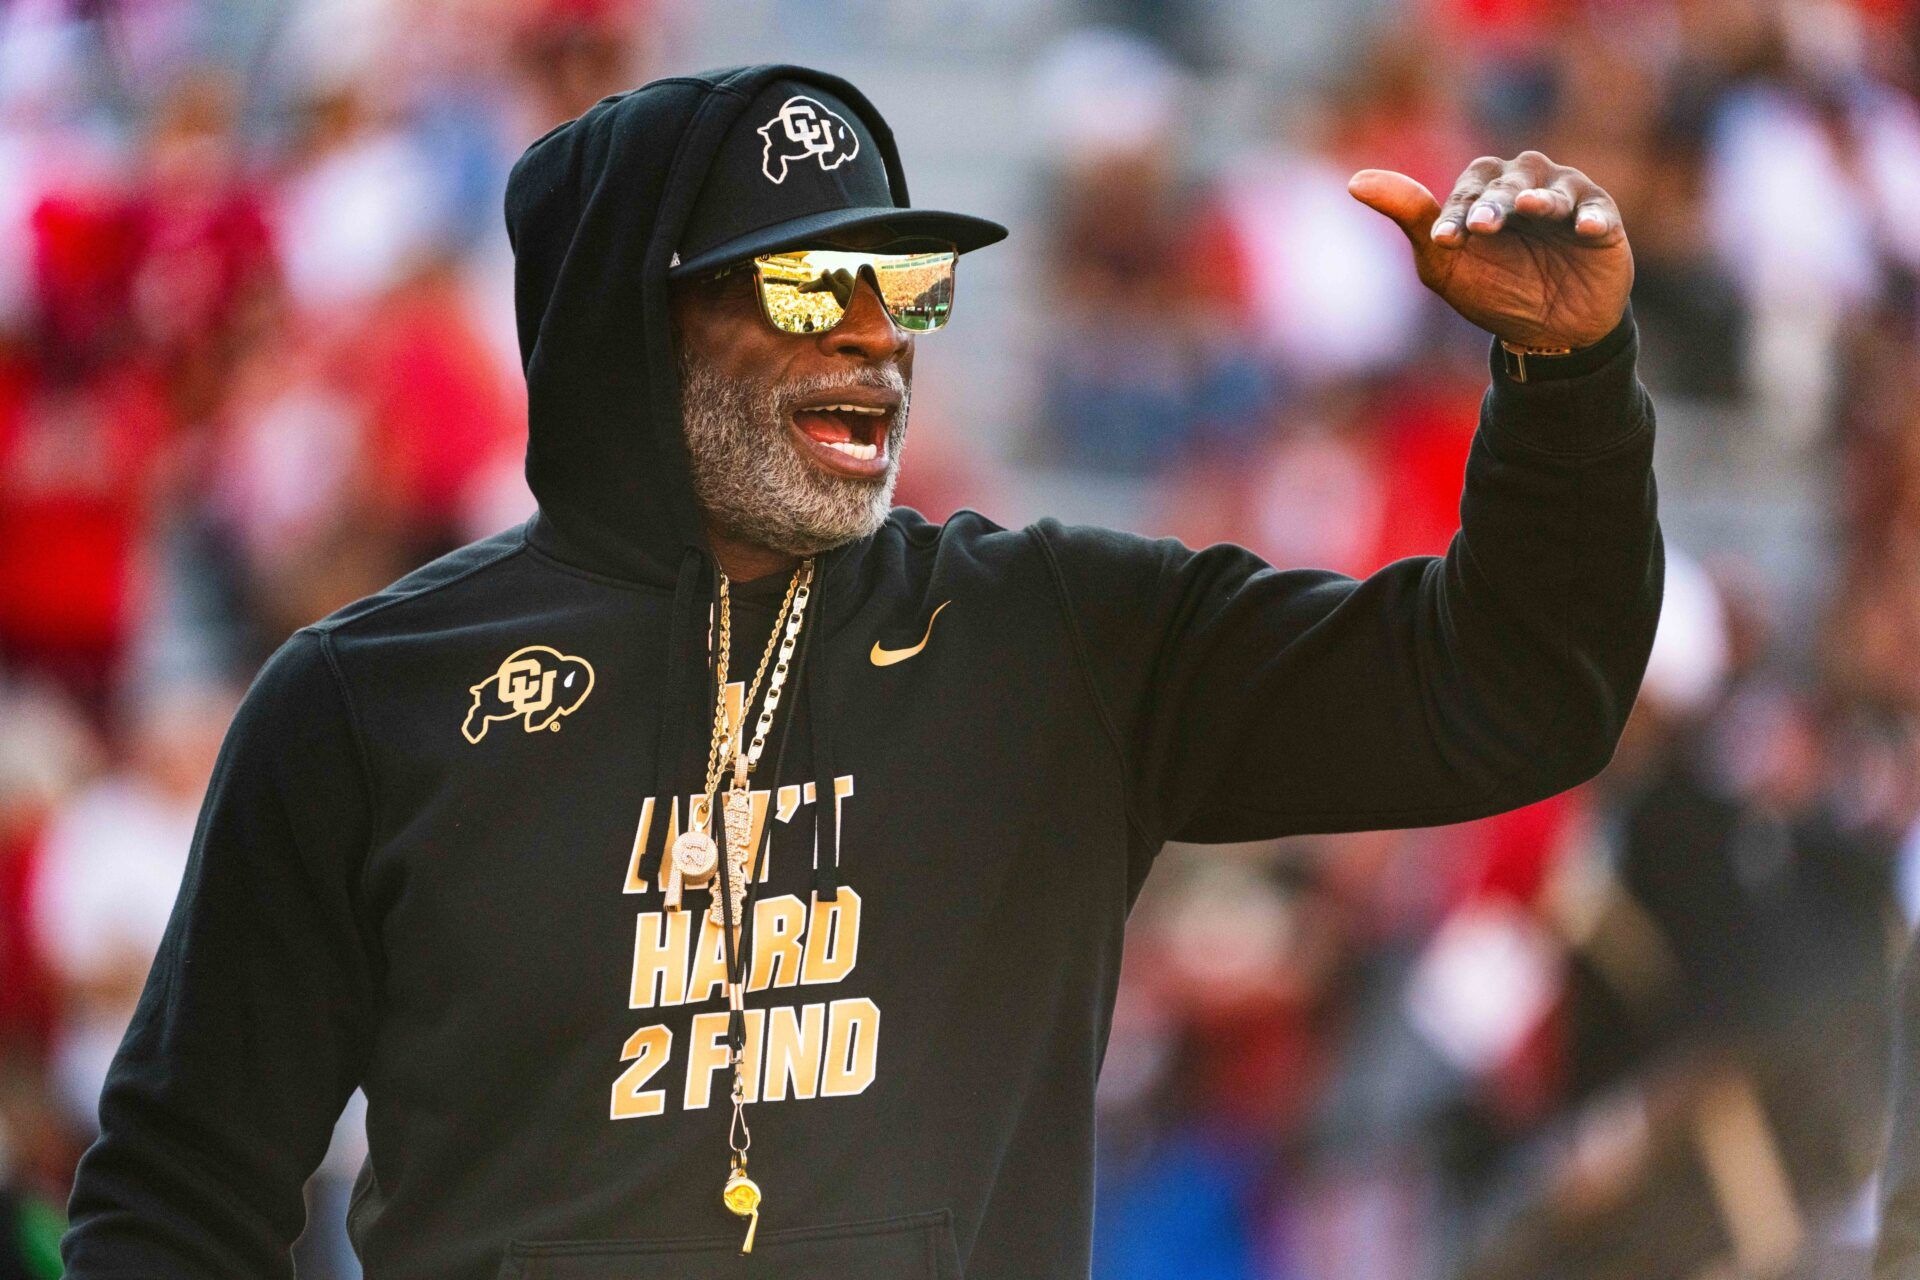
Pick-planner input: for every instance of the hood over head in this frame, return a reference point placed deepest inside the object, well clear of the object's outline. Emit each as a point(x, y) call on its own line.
point(598, 211)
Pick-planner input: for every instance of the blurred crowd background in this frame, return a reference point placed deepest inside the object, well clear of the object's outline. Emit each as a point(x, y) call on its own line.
point(256, 360)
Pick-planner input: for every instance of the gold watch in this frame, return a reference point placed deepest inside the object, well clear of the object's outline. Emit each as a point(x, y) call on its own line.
point(1514, 357)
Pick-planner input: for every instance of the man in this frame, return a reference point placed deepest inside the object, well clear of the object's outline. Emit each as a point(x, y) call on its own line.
point(645, 954)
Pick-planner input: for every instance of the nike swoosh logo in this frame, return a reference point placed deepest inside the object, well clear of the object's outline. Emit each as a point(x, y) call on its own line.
point(887, 657)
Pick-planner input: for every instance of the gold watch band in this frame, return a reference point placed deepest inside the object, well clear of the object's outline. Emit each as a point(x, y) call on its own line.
point(1514, 357)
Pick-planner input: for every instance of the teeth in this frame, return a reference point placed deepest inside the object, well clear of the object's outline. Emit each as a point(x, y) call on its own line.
point(853, 408)
point(854, 449)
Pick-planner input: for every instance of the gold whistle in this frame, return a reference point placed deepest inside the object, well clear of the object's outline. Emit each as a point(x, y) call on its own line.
point(742, 1196)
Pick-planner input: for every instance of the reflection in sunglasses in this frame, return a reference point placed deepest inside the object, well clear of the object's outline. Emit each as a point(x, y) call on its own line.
point(809, 291)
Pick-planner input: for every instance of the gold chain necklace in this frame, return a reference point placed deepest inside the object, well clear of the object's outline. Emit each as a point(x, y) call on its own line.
point(695, 856)
point(739, 802)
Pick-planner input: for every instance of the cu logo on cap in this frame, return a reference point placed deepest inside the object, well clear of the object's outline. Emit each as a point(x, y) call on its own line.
point(536, 683)
point(803, 128)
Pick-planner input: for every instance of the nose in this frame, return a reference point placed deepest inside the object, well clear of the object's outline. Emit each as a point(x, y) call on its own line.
point(867, 331)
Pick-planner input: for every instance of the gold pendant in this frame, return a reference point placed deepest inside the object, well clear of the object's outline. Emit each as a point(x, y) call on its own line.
point(692, 859)
point(742, 1196)
point(717, 913)
point(695, 855)
point(739, 808)
point(739, 818)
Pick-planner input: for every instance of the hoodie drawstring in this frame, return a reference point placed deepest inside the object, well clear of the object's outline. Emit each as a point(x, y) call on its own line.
point(826, 805)
point(686, 653)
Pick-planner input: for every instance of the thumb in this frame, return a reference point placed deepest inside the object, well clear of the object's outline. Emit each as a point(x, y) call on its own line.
point(1410, 205)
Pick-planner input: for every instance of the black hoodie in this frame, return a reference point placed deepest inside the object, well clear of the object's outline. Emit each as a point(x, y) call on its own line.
point(429, 861)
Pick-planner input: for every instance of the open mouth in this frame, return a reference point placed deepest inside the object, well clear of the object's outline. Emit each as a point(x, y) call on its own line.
point(847, 434)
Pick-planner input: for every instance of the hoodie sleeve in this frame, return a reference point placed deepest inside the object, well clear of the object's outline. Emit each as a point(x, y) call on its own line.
point(1248, 702)
point(254, 1023)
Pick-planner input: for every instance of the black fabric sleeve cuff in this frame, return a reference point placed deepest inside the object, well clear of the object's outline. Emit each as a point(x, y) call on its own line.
point(1583, 402)
point(1578, 362)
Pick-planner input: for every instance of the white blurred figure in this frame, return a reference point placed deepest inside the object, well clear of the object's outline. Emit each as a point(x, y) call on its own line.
point(1101, 92)
point(365, 202)
point(1330, 291)
point(359, 217)
point(1692, 651)
point(112, 860)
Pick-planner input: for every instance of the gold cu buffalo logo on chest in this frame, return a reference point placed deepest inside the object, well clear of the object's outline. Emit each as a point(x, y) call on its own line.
point(536, 684)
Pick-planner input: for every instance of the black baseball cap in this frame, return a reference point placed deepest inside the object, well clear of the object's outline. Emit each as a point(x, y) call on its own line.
point(799, 167)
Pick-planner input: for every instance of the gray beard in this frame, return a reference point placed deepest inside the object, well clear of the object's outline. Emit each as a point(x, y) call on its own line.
point(749, 475)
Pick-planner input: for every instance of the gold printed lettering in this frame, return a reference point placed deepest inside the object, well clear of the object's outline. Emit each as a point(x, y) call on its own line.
point(777, 950)
point(706, 1054)
point(833, 938)
point(710, 962)
point(652, 1046)
point(796, 1039)
point(853, 1047)
point(634, 883)
point(659, 959)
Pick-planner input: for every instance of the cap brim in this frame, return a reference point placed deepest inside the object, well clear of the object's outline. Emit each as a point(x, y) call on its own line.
point(871, 228)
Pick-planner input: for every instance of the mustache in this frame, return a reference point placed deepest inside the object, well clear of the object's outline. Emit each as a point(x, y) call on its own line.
point(879, 379)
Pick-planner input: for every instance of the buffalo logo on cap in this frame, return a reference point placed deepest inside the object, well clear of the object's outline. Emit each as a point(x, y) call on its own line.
point(535, 683)
point(802, 128)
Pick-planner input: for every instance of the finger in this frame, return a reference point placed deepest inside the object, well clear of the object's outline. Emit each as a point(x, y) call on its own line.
point(1451, 228)
point(1533, 168)
point(1573, 197)
point(1553, 203)
point(1530, 171)
point(1597, 222)
point(1596, 218)
point(1491, 208)
point(1410, 205)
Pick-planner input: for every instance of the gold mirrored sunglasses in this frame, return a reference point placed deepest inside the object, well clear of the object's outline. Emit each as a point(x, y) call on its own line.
point(809, 290)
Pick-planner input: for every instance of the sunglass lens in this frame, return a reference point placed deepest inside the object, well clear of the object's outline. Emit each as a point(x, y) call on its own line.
point(918, 289)
point(808, 291)
point(801, 294)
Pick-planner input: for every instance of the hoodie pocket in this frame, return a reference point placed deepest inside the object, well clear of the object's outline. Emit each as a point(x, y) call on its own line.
point(916, 1246)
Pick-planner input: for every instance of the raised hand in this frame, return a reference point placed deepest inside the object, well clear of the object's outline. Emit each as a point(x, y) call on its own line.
point(1531, 251)
point(840, 280)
